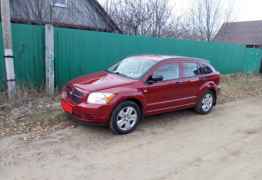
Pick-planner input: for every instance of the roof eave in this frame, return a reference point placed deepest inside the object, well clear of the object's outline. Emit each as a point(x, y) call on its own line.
point(105, 16)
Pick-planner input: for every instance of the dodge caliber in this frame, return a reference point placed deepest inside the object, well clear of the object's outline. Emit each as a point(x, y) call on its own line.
point(141, 86)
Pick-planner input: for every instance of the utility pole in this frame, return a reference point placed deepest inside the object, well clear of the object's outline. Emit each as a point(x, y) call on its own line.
point(8, 48)
point(49, 59)
point(49, 55)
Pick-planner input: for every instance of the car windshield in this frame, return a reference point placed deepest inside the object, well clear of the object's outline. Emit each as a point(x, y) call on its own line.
point(132, 67)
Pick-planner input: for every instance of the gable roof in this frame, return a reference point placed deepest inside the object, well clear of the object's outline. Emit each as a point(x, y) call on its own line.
point(246, 32)
point(105, 15)
point(80, 14)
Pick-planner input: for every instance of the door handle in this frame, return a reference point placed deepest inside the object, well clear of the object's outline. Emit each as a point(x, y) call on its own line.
point(180, 82)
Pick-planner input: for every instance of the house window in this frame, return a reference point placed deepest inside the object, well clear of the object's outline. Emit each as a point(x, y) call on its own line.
point(60, 3)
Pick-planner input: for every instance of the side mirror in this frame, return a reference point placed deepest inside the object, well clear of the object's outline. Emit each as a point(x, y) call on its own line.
point(154, 79)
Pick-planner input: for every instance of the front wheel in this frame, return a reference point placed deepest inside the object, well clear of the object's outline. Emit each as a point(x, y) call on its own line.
point(206, 103)
point(125, 118)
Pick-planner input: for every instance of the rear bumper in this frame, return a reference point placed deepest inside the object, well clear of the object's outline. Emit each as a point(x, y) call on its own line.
point(87, 113)
point(218, 90)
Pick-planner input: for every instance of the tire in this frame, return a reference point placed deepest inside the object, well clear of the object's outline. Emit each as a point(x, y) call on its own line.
point(206, 103)
point(125, 118)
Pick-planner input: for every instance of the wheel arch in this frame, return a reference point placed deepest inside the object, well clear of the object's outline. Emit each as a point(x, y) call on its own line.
point(213, 90)
point(209, 86)
point(119, 103)
point(135, 100)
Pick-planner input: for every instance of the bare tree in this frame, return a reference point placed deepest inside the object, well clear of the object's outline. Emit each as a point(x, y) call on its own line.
point(157, 18)
point(142, 17)
point(206, 18)
point(161, 16)
point(131, 16)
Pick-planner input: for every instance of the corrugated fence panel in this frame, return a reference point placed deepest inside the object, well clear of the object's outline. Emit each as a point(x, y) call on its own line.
point(28, 43)
point(79, 52)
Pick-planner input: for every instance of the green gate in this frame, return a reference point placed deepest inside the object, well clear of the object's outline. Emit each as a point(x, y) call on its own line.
point(29, 48)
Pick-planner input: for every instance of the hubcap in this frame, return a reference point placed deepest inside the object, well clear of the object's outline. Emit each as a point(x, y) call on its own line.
point(207, 102)
point(127, 118)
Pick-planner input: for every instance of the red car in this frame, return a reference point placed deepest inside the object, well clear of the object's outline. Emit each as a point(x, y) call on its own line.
point(140, 86)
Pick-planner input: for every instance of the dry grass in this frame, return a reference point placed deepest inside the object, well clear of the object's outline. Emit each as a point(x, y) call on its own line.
point(35, 114)
point(32, 111)
point(239, 86)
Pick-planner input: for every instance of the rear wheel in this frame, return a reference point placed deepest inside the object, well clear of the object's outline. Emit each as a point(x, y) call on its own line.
point(125, 118)
point(206, 103)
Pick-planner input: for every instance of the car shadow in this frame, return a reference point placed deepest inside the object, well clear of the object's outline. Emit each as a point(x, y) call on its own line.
point(149, 123)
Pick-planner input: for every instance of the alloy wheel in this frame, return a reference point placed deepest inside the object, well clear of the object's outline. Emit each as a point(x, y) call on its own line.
point(127, 118)
point(207, 102)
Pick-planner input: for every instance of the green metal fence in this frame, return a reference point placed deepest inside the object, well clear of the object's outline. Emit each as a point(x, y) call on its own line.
point(79, 52)
point(29, 48)
point(28, 44)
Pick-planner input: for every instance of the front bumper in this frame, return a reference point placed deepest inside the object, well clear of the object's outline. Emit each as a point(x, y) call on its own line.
point(88, 113)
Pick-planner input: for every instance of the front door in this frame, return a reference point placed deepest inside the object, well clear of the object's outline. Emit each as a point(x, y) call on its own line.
point(162, 96)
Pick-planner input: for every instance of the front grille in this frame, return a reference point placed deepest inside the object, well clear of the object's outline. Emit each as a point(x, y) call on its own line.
point(75, 95)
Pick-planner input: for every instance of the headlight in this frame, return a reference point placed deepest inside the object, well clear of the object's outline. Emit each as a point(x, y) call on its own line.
point(99, 98)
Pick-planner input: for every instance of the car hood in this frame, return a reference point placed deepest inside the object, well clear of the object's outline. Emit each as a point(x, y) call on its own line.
point(100, 81)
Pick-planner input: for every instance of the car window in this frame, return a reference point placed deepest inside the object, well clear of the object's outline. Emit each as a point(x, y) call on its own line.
point(190, 69)
point(168, 71)
point(205, 69)
point(132, 67)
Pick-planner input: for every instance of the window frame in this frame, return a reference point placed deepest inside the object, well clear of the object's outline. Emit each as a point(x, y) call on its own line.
point(61, 5)
point(205, 66)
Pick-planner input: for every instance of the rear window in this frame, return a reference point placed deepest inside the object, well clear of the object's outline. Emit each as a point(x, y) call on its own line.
point(190, 69)
point(205, 69)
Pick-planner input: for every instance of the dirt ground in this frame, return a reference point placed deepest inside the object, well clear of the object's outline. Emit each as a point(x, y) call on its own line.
point(225, 144)
point(38, 142)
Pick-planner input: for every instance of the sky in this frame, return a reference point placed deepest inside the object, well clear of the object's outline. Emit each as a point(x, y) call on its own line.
point(244, 10)
point(248, 10)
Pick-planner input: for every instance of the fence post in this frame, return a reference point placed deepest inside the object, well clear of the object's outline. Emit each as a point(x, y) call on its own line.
point(49, 59)
point(8, 48)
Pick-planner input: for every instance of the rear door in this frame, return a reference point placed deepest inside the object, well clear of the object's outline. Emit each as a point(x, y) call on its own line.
point(208, 73)
point(190, 81)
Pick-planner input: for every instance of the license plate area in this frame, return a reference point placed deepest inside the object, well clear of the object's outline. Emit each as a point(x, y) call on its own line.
point(67, 107)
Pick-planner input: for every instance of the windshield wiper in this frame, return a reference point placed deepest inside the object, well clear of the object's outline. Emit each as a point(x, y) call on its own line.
point(120, 74)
